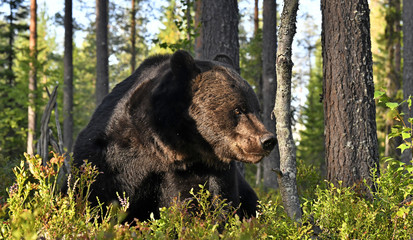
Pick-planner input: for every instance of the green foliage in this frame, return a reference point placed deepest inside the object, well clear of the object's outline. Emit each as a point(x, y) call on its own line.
point(120, 46)
point(35, 209)
point(84, 79)
point(308, 179)
point(14, 100)
point(311, 148)
point(402, 128)
point(180, 30)
point(13, 24)
point(340, 213)
point(250, 60)
point(387, 70)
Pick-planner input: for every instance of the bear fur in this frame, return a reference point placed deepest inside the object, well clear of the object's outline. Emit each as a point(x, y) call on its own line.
point(173, 124)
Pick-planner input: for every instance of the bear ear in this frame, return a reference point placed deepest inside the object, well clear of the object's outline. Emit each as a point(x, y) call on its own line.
point(183, 64)
point(223, 58)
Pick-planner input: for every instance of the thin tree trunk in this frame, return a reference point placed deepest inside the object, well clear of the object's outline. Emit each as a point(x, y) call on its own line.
point(68, 79)
point(393, 69)
point(256, 18)
point(258, 80)
point(32, 78)
point(11, 41)
point(282, 110)
point(102, 69)
point(407, 65)
point(198, 38)
point(133, 37)
point(349, 108)
point(269, 86)
point(188, 21)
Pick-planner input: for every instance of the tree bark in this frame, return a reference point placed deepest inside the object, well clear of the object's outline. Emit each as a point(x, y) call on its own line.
point(198, 38)
point(256, 18)
point(349, 108)
point(133, 37)
point(269, 86)
point(282, 110)
point(407, 66)
point(102, 69)
point(68, 78)
point(32, 77)
point(220, 29)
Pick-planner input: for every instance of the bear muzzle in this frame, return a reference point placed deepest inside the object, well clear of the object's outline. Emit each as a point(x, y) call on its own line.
point(268, 142)
point(253, 149)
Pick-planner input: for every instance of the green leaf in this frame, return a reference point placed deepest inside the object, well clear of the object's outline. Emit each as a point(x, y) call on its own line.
point(395, 131)
point(402, 212)
point(392, 105)
point(409, 168)
point(378, 94)
point(405, 135)
point(403, 147)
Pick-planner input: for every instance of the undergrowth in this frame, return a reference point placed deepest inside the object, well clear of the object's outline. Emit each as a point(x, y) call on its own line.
point(33, 208)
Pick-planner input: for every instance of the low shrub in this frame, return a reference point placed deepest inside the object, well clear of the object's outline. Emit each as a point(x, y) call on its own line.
point(35, 209)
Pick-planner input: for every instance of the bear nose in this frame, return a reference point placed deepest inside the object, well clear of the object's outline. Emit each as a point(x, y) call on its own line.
point(268, 142)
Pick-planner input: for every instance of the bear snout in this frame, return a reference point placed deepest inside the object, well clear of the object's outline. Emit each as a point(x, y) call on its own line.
point(268, 142)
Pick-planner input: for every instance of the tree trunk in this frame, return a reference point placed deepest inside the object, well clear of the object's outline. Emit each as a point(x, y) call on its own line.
point(393, 69)
point(282, 110)
point(32, 78)
point(102, 71)
point(133, 37)
point(407, 65)
point(10, 57)
point(256, 18)
point(258, 81)
point(68, 79)
point(198, 38)
point(188, 22)
point(349, 108)
point(220, 29)
point(269, 86)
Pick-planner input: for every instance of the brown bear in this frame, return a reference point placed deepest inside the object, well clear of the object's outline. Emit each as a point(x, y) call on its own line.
point(173, 124)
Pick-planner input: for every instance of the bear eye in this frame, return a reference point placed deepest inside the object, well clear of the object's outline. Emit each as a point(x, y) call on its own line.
point(238, 111)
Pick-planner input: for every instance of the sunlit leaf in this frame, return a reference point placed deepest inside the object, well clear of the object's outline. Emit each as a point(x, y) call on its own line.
point(392, 105)
point(403, 147)
point(405, 135)
point(378, 94)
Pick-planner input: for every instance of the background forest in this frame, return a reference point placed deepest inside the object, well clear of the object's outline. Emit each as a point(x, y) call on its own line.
point(29, 71)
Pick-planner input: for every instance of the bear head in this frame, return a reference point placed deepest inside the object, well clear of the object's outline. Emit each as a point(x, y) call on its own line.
point(205, 109)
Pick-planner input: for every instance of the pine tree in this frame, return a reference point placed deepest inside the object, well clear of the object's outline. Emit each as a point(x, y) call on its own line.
point(102, 50)
point(386, 49)
point(127, 50)
point(311, 148)
point(348, 89)
point(179, 30)
point(12, 135)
